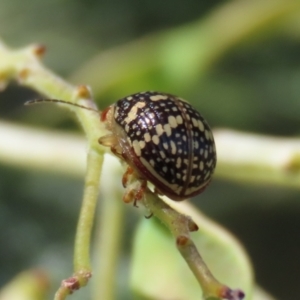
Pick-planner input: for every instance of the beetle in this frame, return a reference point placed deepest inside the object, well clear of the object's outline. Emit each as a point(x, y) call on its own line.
point(164, 141)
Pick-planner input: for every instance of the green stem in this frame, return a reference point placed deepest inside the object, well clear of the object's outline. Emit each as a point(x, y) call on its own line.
point(25, 66)
point(87, 212)
point(82, 265)
point(181, 226)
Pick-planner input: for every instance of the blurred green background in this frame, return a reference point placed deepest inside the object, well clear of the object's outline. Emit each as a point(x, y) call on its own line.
point(238, 62)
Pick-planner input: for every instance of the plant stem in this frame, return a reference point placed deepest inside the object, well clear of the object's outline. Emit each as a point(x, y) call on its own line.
point(25, 66)
point(82, 265)
point(181, 226)
point(87, 212)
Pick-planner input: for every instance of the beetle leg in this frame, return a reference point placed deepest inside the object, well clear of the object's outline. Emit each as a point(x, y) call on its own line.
point(111, 141)
point(140, 192)
point(127, 174)
point(108, 140)
point(135, 191)
point(128, 195)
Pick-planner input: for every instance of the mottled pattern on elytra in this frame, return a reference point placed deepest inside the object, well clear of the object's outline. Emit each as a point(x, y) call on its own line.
point(170, 138)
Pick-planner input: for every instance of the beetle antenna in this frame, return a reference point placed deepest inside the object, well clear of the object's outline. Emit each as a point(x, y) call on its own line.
point(30, 102)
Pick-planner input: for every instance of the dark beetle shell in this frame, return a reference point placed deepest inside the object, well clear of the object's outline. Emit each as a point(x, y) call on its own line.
point(167, 142)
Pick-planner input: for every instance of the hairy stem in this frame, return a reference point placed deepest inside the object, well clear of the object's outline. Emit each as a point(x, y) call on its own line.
point(86, 218)
point(181, 226)
point(82, 265)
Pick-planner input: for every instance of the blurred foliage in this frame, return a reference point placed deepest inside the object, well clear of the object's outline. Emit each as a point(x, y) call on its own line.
point(28, 285)
point(252, 84)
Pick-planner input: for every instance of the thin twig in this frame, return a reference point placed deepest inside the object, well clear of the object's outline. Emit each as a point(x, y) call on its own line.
point(181, 226)
point(24, 65)
point(82, 266)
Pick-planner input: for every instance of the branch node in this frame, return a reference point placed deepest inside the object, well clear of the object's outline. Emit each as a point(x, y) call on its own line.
point(23, 74)
point(229, 294)
point(39, 50)
point(86, 275)
point(83, 91)
point(192, 226)
point(72, 284)
point(182, 240)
